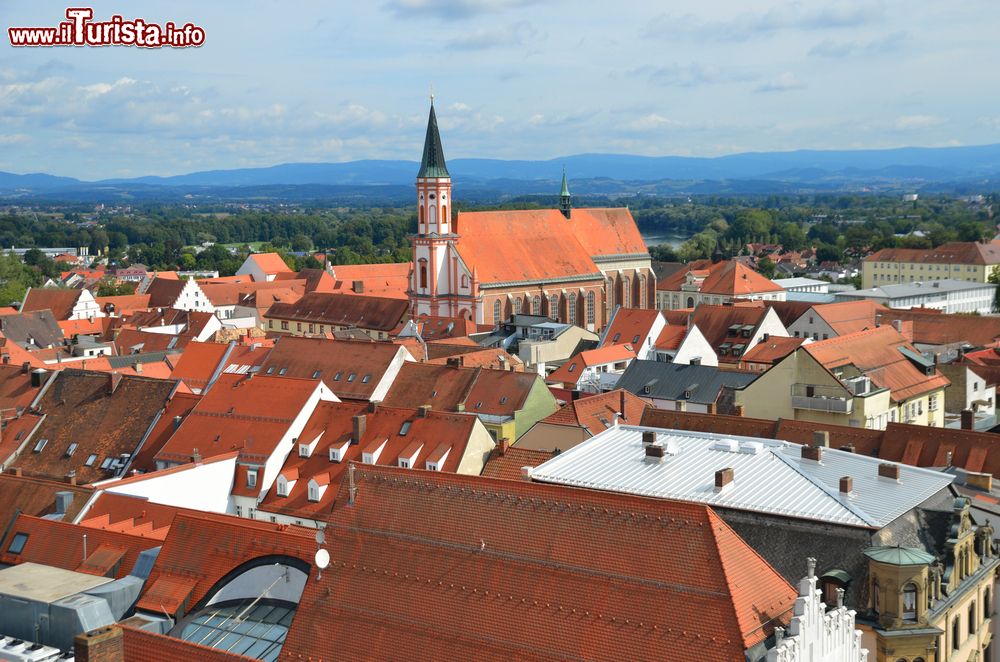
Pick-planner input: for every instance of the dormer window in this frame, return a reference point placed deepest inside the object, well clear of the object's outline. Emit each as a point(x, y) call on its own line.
point(304, 450)
point(251, 478)
point(283, 486)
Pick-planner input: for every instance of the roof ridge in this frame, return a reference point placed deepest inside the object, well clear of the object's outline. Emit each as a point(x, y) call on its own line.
point(854, 510)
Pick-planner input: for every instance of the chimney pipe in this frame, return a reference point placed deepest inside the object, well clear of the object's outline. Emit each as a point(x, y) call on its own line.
point(373, 406)
point(846, 485)
point(847, 448)
point(723, 478)
point(359, 422)
point(502, 446)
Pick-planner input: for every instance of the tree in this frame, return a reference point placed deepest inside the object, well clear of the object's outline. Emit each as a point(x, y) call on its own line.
point(765, 266)
point(110, 288)
point(994, 278)
point(301, 243)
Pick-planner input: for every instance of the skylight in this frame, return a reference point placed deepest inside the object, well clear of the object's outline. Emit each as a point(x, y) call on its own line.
point(71, 449)
point(17, 543)
point(316, 374)
point(90, 460)
point(405, 428)
point(350, 377)
point(40, 445)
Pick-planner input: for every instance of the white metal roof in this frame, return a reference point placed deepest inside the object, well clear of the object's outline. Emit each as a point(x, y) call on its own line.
point(773, 480)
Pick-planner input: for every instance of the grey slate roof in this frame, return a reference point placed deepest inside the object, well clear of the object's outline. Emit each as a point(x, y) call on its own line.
point(671, 381)
point(432, 164)
point(40, 326)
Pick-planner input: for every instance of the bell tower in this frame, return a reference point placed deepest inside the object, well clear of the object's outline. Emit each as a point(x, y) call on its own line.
point(433, 282)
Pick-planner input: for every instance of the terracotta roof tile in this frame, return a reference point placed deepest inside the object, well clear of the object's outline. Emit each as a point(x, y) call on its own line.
point(199, 362)
point(850, 316)
point(57, 299)
point(145, 646)
point(163, 292)
point(270, 263)
point(956, 252)
point(597, 413)
point(507, 465)
point(630, 326)
point(772, 350)
point(124, 304)
point(670, 337)
point(387, 280)
point(571, 371)
point(733, 278)
point(500, 392)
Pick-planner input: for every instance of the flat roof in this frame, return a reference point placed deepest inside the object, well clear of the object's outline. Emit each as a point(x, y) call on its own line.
point(770, 476)
point(919, 288)
point(44, 583)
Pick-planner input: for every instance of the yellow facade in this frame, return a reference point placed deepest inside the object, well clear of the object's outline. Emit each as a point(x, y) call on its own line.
point(799, 388)
point(876, 274)
point(293, 328)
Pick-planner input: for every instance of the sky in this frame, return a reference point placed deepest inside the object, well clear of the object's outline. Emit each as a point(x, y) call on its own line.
point(311, 81)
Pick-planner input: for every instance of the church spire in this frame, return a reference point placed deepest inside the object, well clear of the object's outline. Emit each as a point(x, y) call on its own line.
point(564, 197)
point(433, 165)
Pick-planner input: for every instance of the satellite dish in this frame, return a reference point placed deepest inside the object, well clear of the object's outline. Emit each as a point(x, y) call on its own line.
point(322, 559)
point(320, 537)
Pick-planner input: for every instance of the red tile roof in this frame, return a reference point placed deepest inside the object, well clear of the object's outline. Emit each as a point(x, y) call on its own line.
point(715, 322)
point(670, 337)
point(59, 300)
point(362, 311)
point(850, 316)
point(387, 280)
point(399, 433)
point(62, 545)
point(105, 415)
point(131, 341)
point(508, 464)
point(231, 294)
point(733, 278)
point(597, 413)
point(438, 328)
point(203, 548)
point(956, 252)
point(239, 414)
point(199, 362)
point(935, 328)
point(443, 554)
point(630, 326)
point(145, 646)
point(136, 516)
point(571, 371)
point(350, 368)
point(771, 350)
point(497, 392)
point(469, 356)
point(876, 354)
point(35, 496)
point(124, 304)
point(673, 282)
point(269, 263)
point(16, 391)
point(163, 292)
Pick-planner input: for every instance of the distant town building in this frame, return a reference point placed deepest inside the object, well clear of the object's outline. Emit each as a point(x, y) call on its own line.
point(715, 281)
point(948, 296)
point(972, 261)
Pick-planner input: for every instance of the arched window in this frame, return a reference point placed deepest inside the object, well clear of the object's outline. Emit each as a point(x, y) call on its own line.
point(626, 293)
point(571, 308)
point(444, 214)
point(517, 306)
point(876, 598)
point(910, 602)
point(496, 310)
point(553, 311)
point(465, 280)
point(423, 273)
point(973, 617)
point(690, 302)
point(421, 209)
point(536, 305)
point(591, 305)
point(642, 291)
point(956, 633)
point(987, 603)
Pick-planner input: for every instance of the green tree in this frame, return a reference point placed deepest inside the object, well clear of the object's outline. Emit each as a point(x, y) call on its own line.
point(765, 266)
point(110, 288)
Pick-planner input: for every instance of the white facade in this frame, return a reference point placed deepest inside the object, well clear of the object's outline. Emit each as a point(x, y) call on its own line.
point(204, 486)
point(948, 296)
point(86, 307)
point(811, 325)
point(389, 376)
point(695, 346)
point(193, 298)
point(811, 285)
point(815, 634)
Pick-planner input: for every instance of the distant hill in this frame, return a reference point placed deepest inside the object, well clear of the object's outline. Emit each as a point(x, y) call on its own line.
point(909, 167)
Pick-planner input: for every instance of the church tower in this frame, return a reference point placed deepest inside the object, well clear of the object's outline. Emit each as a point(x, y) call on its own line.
point(433, 281)
point(565, 200)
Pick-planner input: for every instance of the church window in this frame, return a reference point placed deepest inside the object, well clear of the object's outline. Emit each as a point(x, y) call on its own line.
point(421, 214)
point(626, 294)
point(536, 305)
point(591, 312)
point(553, 311)
point(571, 309)
point(910, 602)
point(423, 274)
point(444, 213)
point(496, 310)
point(690, 302)
point(517, 306)
point(465, 280)
point(642, 290)
point(611, 294)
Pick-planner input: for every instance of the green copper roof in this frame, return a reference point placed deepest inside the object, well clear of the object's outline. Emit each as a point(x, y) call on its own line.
point(433, 165)
point(899, 555)
point(565, 186)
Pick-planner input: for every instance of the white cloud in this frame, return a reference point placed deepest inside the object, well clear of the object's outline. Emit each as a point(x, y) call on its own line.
point(784, 83)
point(916, 122)
point(652, 122)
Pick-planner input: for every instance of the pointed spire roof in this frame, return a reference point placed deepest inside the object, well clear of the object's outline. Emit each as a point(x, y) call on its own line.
point(564, 193)
point(433, 165)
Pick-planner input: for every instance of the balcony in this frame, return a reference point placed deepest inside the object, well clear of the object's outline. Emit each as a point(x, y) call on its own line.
point(816, 397)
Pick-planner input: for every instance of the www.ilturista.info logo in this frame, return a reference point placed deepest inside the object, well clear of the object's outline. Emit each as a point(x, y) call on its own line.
point(81, 30)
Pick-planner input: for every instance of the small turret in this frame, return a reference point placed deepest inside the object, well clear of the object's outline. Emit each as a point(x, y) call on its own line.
point(564, 197)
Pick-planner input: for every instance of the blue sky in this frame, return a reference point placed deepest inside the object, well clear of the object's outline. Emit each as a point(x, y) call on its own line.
point(303, 80)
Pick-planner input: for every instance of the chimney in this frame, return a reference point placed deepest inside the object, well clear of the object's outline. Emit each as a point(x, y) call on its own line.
point(64, 500)
point(114, 379)
point(648, 437)
point(101, 645)
point(765, 337)
point(196, 456)
point(981, 481)
point(898, 325)
point(654, 453)
point(460, 407)
point(886, 470)
point(814, 453)
point(138, 368)
point(821, 439)
point(26, 366)
point(358, 431)
point(878, 320)
point(723, 478)
point(456, 361)
point(502, 446)
point(37, 378)
point(846, 485)
point(680, 405)
point(968, 420)
point(740, 410)
point(17, 471)
point(6, 359)
point(71, 478)
point(847, 448)
point(423, 410)
point(358, 286)
point(695, 360)
point(710, 408)
point(373, 406)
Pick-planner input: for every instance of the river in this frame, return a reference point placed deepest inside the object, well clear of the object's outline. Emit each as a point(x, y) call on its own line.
point(658, 239)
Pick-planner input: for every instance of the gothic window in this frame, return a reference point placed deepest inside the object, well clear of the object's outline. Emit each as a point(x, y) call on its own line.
point(571, 308)
point(626, 293)
point(496, 310)
point(642, 290)
point(465, 280)
point(611, 294)
point(591, 313)
point(536, 305)
point(973, 617)
point(423, 273)
point(910, 602)
point(553, 311)
point(517, 306)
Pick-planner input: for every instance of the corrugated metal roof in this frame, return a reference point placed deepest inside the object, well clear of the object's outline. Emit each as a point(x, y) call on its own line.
point(775, 479)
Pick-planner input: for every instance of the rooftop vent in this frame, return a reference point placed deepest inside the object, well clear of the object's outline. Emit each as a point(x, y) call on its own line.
point(752, 447)
point(846, 485)
point(727, 445)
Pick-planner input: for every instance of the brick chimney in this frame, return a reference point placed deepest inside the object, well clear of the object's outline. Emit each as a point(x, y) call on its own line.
point(502, 446)
point(654, 453)
point(968, 420)
point(423, 410)
point(846, 485)
point(740, 410)
point(886, 470)
point(101, 645)
point(358, 286)
point(648, 437)
point(723, 478)
point(358, 428)
point(710, 408)
point(814, 453)
point(114, 379)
